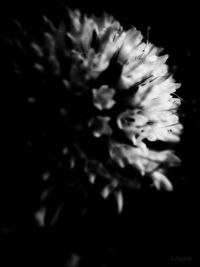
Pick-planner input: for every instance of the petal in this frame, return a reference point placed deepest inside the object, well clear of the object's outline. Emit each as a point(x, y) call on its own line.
point(103, 97)
point(161, 182)
point(120, 201)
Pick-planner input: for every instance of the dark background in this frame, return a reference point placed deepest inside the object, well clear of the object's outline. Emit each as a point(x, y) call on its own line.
point(153, 226)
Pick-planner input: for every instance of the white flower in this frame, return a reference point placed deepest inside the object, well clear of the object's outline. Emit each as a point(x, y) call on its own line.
point(121, 98)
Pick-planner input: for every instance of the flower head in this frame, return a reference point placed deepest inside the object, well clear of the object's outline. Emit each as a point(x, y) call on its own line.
point(120, 101)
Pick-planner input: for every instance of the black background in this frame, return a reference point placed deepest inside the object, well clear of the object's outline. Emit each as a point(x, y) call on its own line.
point(153, 226)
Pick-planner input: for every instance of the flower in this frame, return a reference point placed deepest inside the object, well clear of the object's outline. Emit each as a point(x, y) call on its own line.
point(120, 101)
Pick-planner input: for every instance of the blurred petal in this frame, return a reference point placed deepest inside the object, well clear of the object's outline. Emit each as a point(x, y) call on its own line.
point(120, 201)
